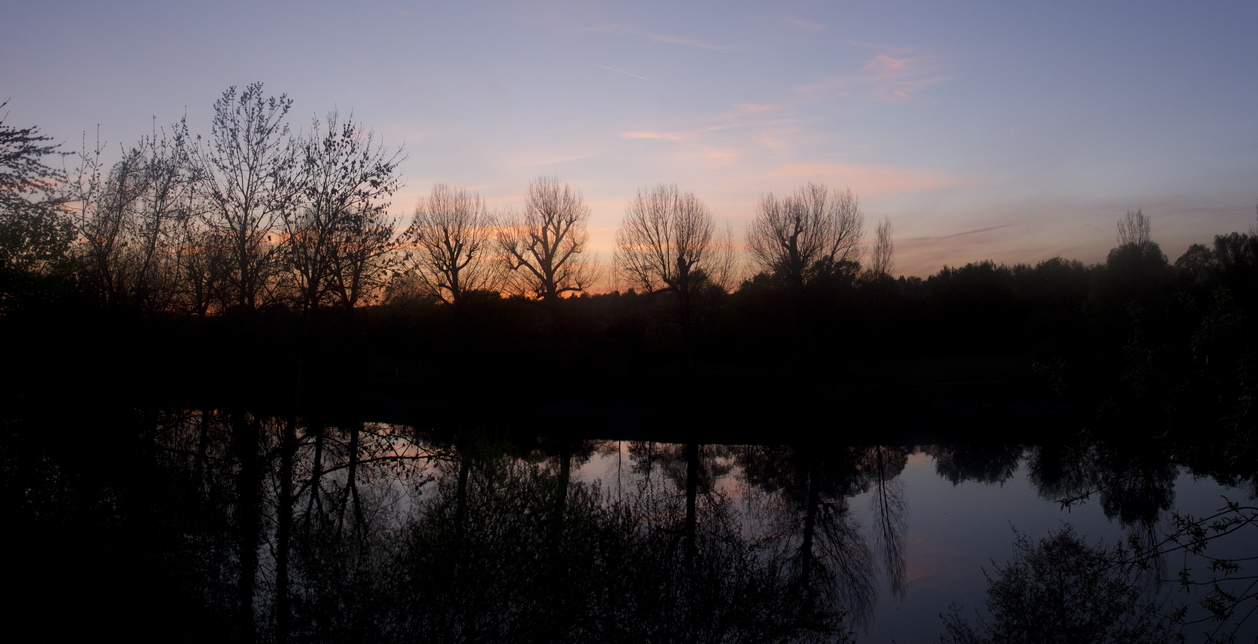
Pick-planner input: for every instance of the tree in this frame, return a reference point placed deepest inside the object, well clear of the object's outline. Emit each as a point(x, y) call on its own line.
point(131, 221)
point(34, 233)
point(807, 236)
point(882, 260)
point(338, 238)
point(248, 174)
point(451, 238)
point(1133, 228)
point(1136, 270)
point(667, 243)
point(543, 247)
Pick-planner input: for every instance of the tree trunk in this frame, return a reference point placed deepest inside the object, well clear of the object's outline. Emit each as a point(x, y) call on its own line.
point(810, 530)
point(248, 522)
point(283, 530)
point(692, 492)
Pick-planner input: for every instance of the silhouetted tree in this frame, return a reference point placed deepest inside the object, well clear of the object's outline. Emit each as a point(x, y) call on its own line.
point(339, 239)
point(668, 243)
point(806, 236)
point(1133, 228)
point(248, 173)
point(131, 221)
point(882, 258)
point(34, 233)
point(543, 247)
point(451, 242)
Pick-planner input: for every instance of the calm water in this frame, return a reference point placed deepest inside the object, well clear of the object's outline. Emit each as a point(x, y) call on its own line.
point(218, 525)
point(958, 522)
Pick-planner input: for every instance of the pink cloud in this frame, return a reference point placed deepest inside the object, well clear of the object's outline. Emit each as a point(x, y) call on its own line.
point(752, 108)
point(882, 78)
point(885, 63)
point(659, 136)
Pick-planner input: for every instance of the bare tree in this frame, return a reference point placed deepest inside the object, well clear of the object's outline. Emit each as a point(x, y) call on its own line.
point(452, 237)
point(366, 255)
point(340, 235)
point(129, 221)
point(882, 259)
point(808, 235)
point(1133, 229)
point(543, 247)
point(248, 174)
point(202, 267)
point(668, 243)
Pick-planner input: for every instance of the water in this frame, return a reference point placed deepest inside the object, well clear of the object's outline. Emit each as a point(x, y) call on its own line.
point(398, 533)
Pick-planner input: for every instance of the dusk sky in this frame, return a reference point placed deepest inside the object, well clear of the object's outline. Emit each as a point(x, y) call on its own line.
point(984, 130)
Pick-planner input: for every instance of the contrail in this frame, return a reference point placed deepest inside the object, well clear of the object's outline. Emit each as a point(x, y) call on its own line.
point(620, 70)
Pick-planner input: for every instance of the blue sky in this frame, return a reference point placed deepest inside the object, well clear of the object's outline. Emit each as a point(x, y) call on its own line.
point(983, 130)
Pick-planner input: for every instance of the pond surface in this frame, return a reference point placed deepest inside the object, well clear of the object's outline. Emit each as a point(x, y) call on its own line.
point(220, 525)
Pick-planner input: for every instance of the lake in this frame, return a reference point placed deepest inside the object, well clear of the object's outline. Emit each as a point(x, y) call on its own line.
point(229, 525)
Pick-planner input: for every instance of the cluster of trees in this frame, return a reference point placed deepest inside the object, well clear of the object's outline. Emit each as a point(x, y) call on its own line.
point(250, 217)
point(254, 218)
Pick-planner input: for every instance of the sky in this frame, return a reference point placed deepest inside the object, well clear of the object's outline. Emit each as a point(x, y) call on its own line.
point(1014, 132)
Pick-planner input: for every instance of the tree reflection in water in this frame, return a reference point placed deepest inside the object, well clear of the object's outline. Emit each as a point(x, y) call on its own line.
point(230, 525)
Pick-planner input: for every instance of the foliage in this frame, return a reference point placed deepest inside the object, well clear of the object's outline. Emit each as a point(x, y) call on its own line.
point(1061, 589)
point(248, 173)
point(35, 235)
point(1230, 597)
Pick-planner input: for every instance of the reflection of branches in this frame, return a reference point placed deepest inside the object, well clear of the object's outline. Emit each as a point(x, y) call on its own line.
point(890, 512)
point(831, 560)
point(841, 557)
point(1223, 600)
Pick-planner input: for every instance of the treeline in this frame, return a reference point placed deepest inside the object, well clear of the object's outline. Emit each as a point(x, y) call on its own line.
point(259, 252)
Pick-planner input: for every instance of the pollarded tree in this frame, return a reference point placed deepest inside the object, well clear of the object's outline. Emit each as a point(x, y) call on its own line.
point(808, 242)
point(340, 235)
point(543, 247)
point(668, 243)
point(248, 172)
point(807, 236)
point(451, 239)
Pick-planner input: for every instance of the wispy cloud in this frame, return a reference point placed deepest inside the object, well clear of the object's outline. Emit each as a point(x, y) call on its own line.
point(923, 240)
point(668, 38)
point(883, 63)
point(731, 120)
point(752, 108)
point(620, 71)
point(660, 136)
point(882, 78)
point(677, 40)
point(804, 24)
